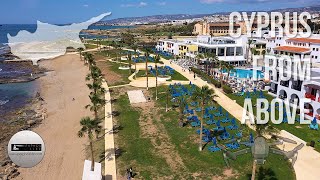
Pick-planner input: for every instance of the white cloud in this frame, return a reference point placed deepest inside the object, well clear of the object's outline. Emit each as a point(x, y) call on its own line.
point(211, 1)
point(85, 5)
point(162, 3)
point(141, 4)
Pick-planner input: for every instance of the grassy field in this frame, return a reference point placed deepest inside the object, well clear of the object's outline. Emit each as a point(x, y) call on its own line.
point(90, 46)
point(299, 130)
point(176, 76)
point(157, 148)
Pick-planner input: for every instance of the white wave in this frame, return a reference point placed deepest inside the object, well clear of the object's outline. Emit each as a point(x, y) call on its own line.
point(3, 102)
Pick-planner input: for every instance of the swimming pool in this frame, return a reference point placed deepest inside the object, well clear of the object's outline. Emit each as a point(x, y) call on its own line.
point(245, 73)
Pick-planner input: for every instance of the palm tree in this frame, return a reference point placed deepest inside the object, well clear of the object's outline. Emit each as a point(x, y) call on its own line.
point(88, 126)
point(229, 68)
point(135, 48)
point(182, 104)
point(250, 41)
point(80, 50)
point(147, 74)
point(199, 57)
point(167, 98)
point(204, 94)
point(157, 59)
point(222, 65)
point(96, 103)
point(130, 61)
point(253, 52)
point(89, 59)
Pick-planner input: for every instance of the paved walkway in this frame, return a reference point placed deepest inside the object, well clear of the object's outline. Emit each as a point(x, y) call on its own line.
point(110, 160)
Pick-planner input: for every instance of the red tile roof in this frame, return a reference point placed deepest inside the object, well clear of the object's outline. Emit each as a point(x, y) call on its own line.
point(292, 49)
point(305, 40)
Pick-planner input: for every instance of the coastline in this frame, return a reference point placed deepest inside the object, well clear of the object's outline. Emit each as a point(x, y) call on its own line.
point(59, 120)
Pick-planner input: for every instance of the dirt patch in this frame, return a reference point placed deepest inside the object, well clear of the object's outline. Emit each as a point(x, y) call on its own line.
point(152, 127)
point(110, 76)
point(227, 174)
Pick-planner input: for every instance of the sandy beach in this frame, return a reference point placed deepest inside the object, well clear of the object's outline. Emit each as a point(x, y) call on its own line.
point(65, 152)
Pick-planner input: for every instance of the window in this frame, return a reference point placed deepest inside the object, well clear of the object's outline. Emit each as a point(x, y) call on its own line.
point(239, 51)
point(230, 51)
point(220, 51)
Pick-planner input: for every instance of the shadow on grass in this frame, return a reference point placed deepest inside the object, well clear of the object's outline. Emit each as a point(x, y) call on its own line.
point(264, 173)
point(110, 153)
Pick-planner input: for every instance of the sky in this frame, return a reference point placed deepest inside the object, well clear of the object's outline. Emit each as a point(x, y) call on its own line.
point(74, 11)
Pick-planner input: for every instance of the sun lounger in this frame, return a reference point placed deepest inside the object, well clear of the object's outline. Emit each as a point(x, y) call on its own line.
point(210, 122)
point(195, 124)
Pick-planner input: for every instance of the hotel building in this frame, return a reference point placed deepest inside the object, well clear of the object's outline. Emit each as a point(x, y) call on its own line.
point(298, 49)
point(225, 48)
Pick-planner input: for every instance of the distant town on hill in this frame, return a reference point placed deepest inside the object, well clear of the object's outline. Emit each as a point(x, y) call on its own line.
point(190, 17)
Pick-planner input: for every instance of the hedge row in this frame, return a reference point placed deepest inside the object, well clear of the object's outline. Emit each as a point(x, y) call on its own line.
point(227, 89)
point(206, 77)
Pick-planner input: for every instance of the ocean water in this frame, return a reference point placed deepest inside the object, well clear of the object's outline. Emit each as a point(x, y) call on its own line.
point(16, 95)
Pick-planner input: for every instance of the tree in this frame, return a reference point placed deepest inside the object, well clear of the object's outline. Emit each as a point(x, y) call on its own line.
point(167, 98)
point(204, 95)
point(182, 104)
point(89, 126)
point(229, 68)
point(135, 48)
point(199, 57)
point(80, 50)
point(147, 73)
point(90, 60)
point(130, 61)
point(222, 66)
point(250, 41)
point(157, 59)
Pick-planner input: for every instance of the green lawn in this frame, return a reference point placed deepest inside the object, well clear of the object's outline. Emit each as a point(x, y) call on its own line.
point(139, 152)
point(299, 130)
point(112, 53)
point(114, 67)
point(90, 46)
point(212, 163)
point(176, 76)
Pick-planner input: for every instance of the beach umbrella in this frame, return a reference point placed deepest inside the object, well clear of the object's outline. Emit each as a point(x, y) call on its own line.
point(251, 138)
point(314, 121)
point(214, 141)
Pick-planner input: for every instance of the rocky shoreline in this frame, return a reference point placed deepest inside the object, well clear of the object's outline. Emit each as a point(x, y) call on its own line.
point(28, 72)
point(22, 119)
point(26, 118)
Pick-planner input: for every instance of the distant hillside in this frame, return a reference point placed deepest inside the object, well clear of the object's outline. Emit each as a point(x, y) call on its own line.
point(154, 19)
point(166, 18)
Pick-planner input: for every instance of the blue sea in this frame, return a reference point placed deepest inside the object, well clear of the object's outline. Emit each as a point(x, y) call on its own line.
point(16, 95)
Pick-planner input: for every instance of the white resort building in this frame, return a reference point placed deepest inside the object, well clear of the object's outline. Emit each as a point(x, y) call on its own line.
point(226, 48)
point(298, 49)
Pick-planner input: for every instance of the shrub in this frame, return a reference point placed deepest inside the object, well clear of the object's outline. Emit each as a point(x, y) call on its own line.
point(227, 89)
point(205, 76)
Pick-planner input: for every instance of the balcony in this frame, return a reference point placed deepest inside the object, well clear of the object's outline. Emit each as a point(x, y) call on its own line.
point(284, 83)
point(296, 85)
point(310, 96)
